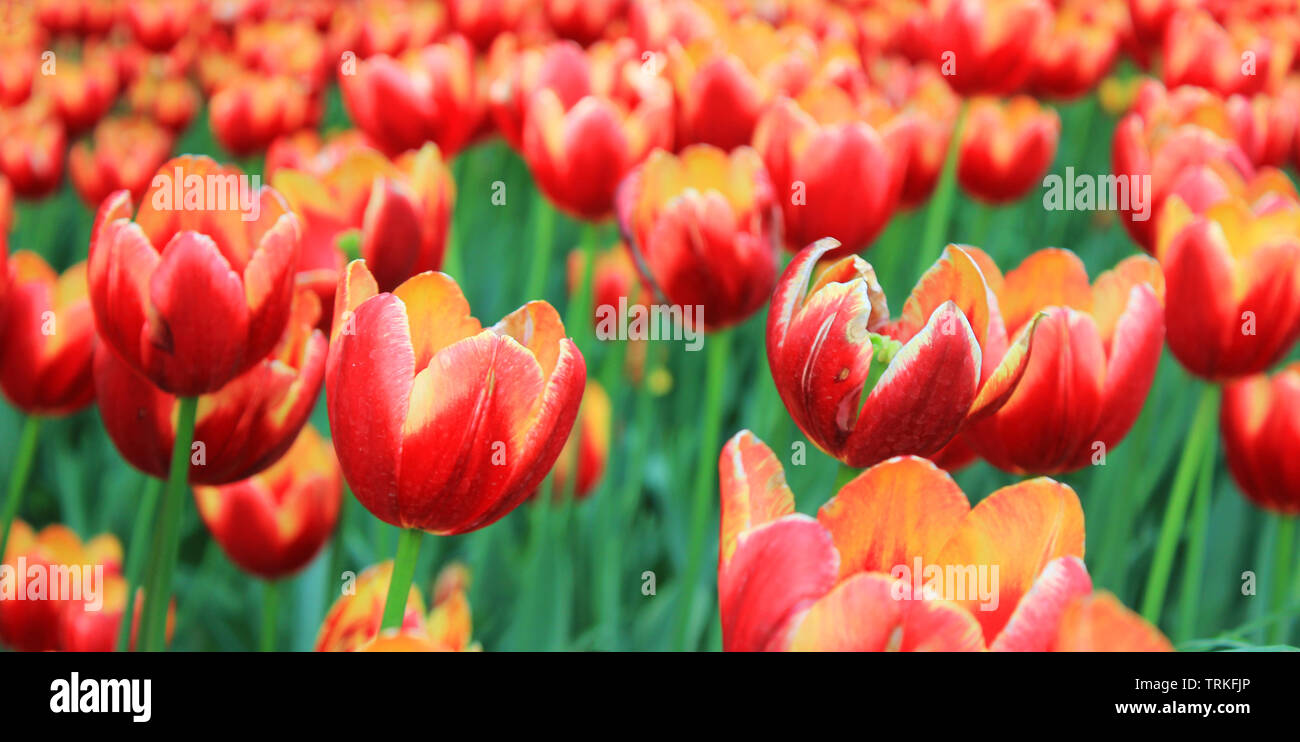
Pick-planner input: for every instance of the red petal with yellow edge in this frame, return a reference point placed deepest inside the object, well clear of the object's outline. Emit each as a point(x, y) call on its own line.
point(753, 487)
point(437, 313)
point(356, 284)
point(998, 386)
point(958, 278)
point(1051, 277)
point(469, 414)
point(921, 400)
point(1198, 273)
point(777, 571)
point(269, 283)
point(1100, 623)
point(368, 392)
point(868, 613)
point(1037, 617)
point(536, 326)
point(354, 619)
point(891, 514)
point(1112, 292)
point(1134, 351)
point(1019, 530)
point(792, 290)
point(122, 261)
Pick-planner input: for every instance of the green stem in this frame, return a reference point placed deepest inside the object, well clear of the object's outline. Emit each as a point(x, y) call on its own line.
point(705, 472)
point(22, 466)
point(578, 320)
point(408, 548)
point(1170, 531)
point(1198, 533)
point(939, 212)
point(543, 245)
point(158, 595)
point(135, 560)
point(270, 615)
point(1284, 556)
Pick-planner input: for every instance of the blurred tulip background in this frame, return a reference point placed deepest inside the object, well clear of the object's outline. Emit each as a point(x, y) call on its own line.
point(913, 344)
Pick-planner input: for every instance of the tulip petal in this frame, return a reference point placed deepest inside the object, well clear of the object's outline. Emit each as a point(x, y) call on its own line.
point(1037, 617)
point(1100, 623)
point(1047, 278)
point(438, 313)
point(753, 487)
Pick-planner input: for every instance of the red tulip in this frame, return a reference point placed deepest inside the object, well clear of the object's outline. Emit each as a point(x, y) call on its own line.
point(481, 21)
point(931, 108)
point(241, 429)
point(1095, 354)
point(171, 101)
point(1198, 51)
point(77, 17)
point(16, 76)
point(123, 154)
point(275, 522)
point(250, 110)
point(426, 94)
point(159, 24)
point(584, 21)
point(49, 337)
point(32, 143)
point(863, 388)
point(1265, 126)
point(1081, 46)
point(835, 175)
point(845, 582)
point(85, 630)
point(705, 226)
point(373, 27)
point(83, 91)
point(587, 448)
point(1261, 433)
point(987, 47)
point(189, 293)
point(562, 67)
point(1006, 148)
point(1233, 277)
point(353, 620)
point(412, 372)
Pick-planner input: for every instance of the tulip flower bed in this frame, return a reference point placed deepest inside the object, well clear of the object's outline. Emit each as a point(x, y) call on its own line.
point(426, 377)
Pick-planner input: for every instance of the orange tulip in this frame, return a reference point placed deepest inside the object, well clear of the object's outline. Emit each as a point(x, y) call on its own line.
point(412, 372)
point(448, 628)
point(1006, 148)
point(353, 620)
point(45, 363)
point(1261, 433)
point(275, 522)
point(845, 581)
point(123, 154)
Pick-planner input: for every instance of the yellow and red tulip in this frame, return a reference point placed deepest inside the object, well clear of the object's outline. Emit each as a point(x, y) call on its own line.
point(192, 297)
point(49, 337)
point(1198, 51)
point(1261, 433)
point(77, 17)
point(519, 73)
point(1080, 47)
point(704, 224)
point(1233, 278)
point(275, 522)
point(32, 144)
point(863, 388)
point(250, 110)
point(481, 21)
point(449, 625)
point(158, 25)
point(1006, 147)
point(839, 582)
point(243, 427)
point(1096, 348)
point(84, 630)
point(122, 154)
point(986, 47)
point(353, 620)
point(83, 91)
point(411, 372)
point(171, 101)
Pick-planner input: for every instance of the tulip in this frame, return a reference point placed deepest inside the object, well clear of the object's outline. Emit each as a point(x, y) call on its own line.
point(31, 624)
point(481, 21)
point(159, 24)
point(32, 143)
point(1233, 277)
point(45, 363)
point(987, 47)
point(353, 620)
point(189, 293)
point(241, 428)
point(171, 101)
point(861, 387)
point(82, 92)
point(931, 109)
point(1198, 51)
point(562, 67)
point(834, 174)
point(250, 110)
point(85, 630)
point(123, 154)
point(655, 24)
point(844, 582)
point(285, 48)
point(1095, 354)
point(412, 372)
point(21, 60)
point(386, 27)
point(1080, 48)
point(579, 147)
point(1006, 148)
point(583, 21)
point(725, 83)
point(704, 223)
point(1260, 422)
point(78, 17)
point(1265, 126)
point(587, 448)
point(426, 94)
point(275, 522)
point(448, 628)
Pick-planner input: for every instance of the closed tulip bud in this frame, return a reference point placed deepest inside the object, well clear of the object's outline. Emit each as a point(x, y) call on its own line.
point(171, 101)
point(1198, 51)
point(242, 428)
point(834, 174)
point(275, 522)
point(83, 91)
point(31, 622)
point(1006, 148)
point(404, 229)
point(1079, 48)
point(189, 293)
point(987, 47)
point(21, 61)
point(704, 225)
point(412, 372)
point(1261, 433)
point(1096, 348)
point(844, 581)
point(481, 21)
point(32, 144)
point(122, 154)
point(861, 387)
point(82, 629)
point(49, 337)
point(158, 24)
point(426, 94)
point(1265, 126)
point(1233, 277)
point(519, 73)
point(584, 21)
point(251, 110)
point(353, 620)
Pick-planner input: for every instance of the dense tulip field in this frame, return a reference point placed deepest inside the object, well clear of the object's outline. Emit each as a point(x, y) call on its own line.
point(499, 325)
